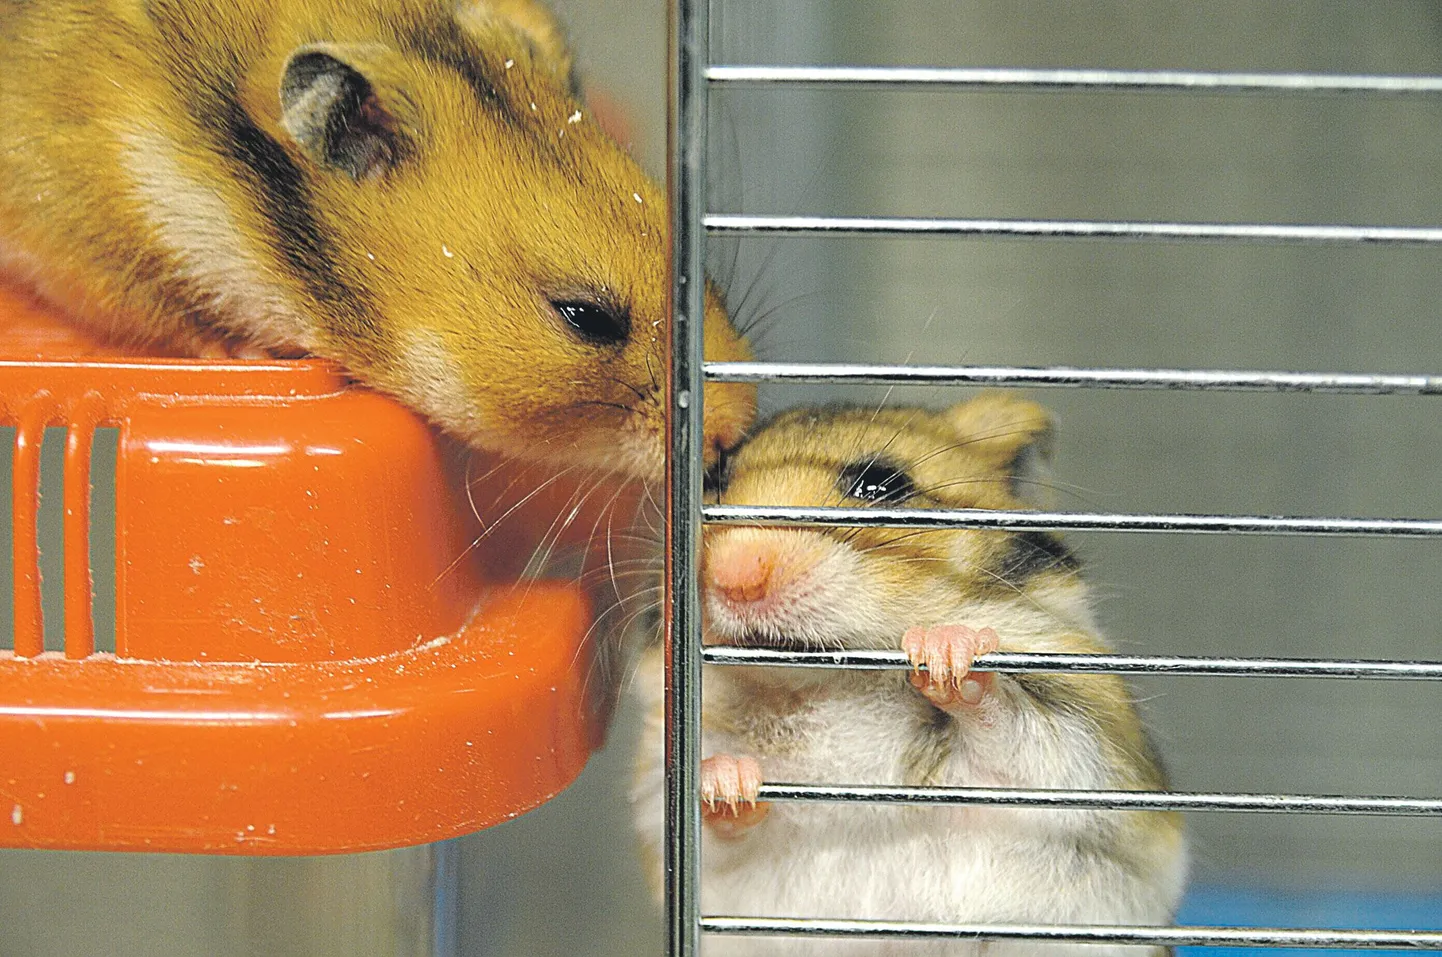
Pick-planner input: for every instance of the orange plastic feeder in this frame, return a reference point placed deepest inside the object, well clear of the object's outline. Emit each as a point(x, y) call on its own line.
point(309, 655)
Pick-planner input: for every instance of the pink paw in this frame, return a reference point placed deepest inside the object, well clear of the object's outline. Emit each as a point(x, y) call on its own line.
point(729, 786)
point(942, 656)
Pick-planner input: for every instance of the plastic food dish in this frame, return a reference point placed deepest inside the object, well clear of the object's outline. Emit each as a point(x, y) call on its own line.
point(310, 655)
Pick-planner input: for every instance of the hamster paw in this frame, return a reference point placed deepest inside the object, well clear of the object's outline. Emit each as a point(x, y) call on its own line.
point(941, 657)
point(729, 786)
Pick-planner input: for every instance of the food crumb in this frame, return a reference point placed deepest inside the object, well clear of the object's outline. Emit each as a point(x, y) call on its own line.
point(636, 197)
point(574, 117)
point(447, 251)
point(69, 777)
point(510, 63)
point(17, 816)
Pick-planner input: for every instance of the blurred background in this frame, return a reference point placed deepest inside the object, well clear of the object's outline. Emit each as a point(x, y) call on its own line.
point(565, 879)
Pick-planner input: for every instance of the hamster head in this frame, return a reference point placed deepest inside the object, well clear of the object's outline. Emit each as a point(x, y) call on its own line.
point(474, 242)
point(847, 588)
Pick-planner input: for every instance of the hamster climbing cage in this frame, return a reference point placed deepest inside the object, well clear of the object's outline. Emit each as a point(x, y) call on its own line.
point(693, 80)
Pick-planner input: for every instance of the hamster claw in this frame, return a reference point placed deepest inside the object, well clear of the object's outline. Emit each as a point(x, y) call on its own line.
point(941, 657)
point(730, 787)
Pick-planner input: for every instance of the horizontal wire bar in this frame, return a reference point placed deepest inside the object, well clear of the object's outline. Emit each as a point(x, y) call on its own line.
point(1009, 662)
point(1311, 234)
point(1377, 806)
point(1010, 79)
point(1181, 380)
point(1315, 937)
point(795, 515)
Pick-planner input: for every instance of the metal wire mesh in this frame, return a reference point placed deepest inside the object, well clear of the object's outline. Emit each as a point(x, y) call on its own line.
point(690, 77)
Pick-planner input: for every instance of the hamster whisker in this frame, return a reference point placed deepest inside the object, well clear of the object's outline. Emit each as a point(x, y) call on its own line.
point(486, 530)
point(755, 328)
point(564, 519)
point(604, 405)
point(634, 389)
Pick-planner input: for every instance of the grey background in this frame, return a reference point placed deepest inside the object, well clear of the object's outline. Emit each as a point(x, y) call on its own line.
point(564, 880)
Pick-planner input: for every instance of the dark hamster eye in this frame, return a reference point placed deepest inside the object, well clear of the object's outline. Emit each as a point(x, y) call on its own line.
point(592, 323)
point(875, 481)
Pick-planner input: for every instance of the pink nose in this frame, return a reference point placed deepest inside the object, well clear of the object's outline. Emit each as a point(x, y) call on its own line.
point(741, 575)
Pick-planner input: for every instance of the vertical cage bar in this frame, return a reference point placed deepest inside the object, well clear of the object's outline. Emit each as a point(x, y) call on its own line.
point(25, 512)
point(79, 584)
point(686, 142)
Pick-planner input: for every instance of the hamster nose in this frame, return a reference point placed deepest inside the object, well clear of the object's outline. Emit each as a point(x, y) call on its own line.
point(741, 575)
point(730, 408)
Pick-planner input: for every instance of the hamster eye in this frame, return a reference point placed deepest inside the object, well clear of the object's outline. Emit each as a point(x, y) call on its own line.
point(875, 481)
point(592, 323)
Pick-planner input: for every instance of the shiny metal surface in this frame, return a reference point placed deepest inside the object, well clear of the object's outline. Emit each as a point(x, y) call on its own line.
point(1170, 232)
point(1067, 377)
point(686, 181)
point(1022, 662)
point(1073, 521)
point(1382, 806)
point(1033, 80)
point(1156, 936)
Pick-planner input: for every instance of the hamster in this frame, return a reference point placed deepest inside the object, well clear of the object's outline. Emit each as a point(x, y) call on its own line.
point(946, 597)
point(413, 188)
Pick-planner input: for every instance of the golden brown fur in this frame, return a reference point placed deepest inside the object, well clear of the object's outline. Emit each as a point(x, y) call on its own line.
point(167, 173)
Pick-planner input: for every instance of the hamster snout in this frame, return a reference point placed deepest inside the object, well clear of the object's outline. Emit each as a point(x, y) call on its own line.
point(779, 587)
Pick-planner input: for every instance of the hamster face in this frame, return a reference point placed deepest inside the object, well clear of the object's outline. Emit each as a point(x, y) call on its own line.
point(820, 589)
point(516, 253)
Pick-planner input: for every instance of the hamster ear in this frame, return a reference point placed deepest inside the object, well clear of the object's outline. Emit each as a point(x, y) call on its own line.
point(536, 25)
point(332, 111)
point(1015, 433)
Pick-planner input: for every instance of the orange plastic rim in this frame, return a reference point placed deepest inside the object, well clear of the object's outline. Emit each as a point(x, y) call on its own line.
point(311, 656)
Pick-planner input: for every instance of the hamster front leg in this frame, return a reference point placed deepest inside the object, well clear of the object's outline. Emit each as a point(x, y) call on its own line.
point(946, 653)
point(1048, 731)
point(729, 788)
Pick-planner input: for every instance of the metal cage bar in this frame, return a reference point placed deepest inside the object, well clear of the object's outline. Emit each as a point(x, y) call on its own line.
point(690, 77)
point(1409, 940)
point(1070, 521)
point(1012, 79)
point(1108, 800)
point(736, 224)
point(1023, 662)
point(1068, 377)
point(686, 131)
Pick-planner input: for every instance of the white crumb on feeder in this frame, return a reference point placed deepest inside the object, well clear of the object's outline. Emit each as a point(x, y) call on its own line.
point(17, 816)
point(69, 777)
point(636, 197)
point(446, 250)
point(574, 117)
point(533, 105)
point(510, 63)
point(371, 256)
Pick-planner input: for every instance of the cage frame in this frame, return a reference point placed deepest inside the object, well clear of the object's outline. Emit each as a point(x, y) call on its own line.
point(690, 75)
